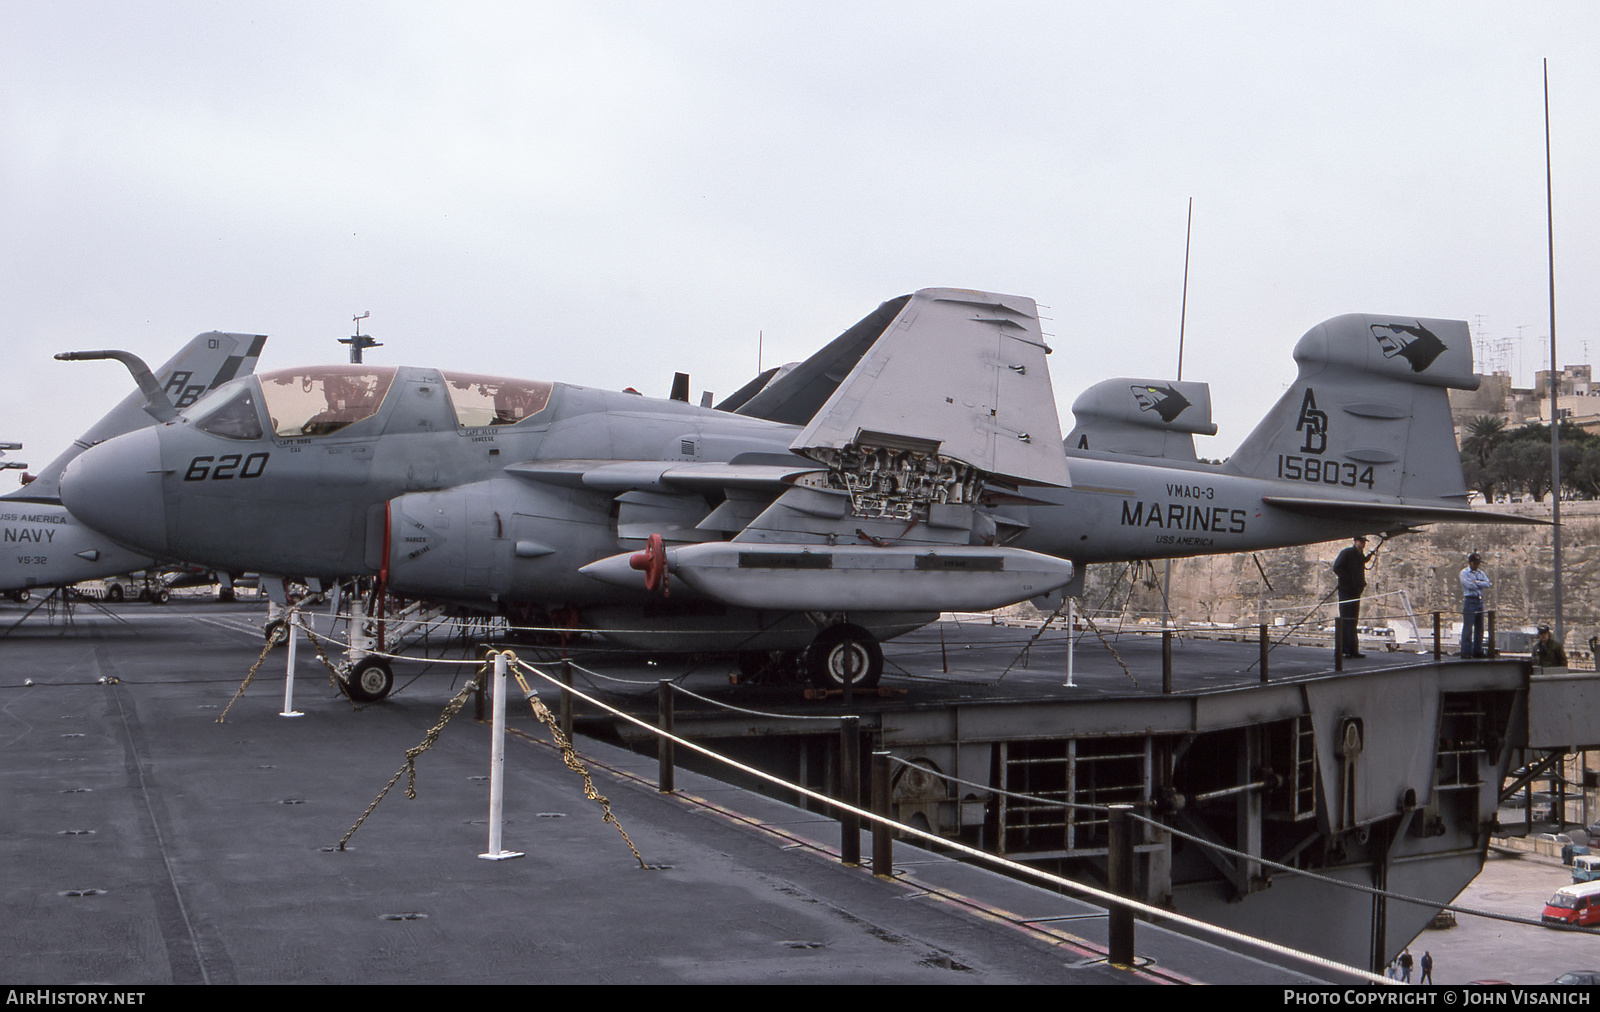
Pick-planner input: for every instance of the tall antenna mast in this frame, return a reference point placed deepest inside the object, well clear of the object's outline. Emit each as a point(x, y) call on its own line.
point(1183, 313)
point(1183, 317)
point(1555, 384)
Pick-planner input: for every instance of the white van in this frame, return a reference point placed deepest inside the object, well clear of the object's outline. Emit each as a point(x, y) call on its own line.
point(1586, 868)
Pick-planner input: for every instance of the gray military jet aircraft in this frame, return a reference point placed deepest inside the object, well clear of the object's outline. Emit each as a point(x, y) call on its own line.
point(930, 478)
point(44, 544)
point(537, 497)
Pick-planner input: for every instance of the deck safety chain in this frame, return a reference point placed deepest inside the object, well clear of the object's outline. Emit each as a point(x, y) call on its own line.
point(1295, 628)
point(450, 710)
point(273, 639)
point(568, 754)
point(1107, 644)
point(1031, 640)
point(333, 669)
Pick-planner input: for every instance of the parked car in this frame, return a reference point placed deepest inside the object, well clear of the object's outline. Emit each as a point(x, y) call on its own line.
point(1577, 978)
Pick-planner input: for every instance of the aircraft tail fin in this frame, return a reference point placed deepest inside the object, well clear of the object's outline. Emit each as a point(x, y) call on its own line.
point(206, 362)
point(1141, 418)
point(1368, 418)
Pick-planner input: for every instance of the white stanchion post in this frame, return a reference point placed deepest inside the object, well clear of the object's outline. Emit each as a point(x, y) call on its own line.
point(1072, 614)
point(290, 619)
point(497, 762)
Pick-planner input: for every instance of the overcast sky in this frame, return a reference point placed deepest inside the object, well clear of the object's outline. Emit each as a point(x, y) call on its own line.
point(603, 193)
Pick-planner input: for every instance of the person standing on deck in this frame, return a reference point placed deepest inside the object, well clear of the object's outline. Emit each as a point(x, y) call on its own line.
point(1474, 582)
point(1350, 570)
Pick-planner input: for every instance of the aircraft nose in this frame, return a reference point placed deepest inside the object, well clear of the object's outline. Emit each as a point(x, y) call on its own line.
point(115, 488)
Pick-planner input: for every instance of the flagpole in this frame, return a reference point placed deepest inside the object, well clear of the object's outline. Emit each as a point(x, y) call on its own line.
point(1555, 414)
point(1183, 317)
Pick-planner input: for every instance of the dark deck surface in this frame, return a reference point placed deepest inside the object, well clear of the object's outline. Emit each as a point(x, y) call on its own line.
point(973, 660)
point(145, 843)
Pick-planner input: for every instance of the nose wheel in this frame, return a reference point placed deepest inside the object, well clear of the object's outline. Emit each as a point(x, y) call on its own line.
point(844, 654)
point(369, 681)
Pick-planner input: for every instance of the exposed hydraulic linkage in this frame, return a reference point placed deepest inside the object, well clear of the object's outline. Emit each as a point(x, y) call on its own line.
point(898, 483)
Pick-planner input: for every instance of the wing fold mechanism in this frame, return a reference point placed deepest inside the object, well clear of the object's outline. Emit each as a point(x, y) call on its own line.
point(950, 402)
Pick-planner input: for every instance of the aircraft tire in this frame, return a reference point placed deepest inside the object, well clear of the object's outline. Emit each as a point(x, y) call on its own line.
point(369, 681)
point(159, 596)
point(21, 596)
point(841, 646)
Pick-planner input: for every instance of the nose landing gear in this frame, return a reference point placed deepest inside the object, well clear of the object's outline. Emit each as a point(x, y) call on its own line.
point(369, 681)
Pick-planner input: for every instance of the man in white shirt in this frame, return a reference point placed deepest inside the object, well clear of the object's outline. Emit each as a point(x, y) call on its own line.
point(1474, 582)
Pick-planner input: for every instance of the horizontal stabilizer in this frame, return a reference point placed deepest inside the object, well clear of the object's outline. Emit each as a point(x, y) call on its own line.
point(1400, 514)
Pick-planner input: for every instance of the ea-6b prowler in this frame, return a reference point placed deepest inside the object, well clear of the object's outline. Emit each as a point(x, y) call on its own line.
point(527, 496)
point(810, 513)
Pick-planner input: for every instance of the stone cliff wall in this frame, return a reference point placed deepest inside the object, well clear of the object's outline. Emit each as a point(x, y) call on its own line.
point(1426, 565)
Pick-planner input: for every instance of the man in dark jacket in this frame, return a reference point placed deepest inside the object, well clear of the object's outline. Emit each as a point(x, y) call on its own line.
point(1548, 652)
point(1350, 570)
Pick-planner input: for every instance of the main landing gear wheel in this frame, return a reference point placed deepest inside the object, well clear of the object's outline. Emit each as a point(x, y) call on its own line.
point(844, 652)
point(369, 681)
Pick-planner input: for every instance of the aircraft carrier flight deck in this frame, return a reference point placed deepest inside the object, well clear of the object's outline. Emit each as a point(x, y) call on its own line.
point(147, 843)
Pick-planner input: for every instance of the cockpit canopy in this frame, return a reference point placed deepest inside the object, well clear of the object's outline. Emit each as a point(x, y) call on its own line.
point(235, 418)
point(494, 400)
point(316, 400)
point(319, 400)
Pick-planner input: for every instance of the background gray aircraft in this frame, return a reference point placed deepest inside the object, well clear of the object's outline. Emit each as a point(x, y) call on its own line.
point(44, 545)
point(930, 478)
point(1361, 442)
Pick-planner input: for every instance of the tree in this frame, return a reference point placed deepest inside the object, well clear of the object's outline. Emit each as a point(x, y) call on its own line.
point(1520, 461)
point(1484, 433)
point(1521, 466)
